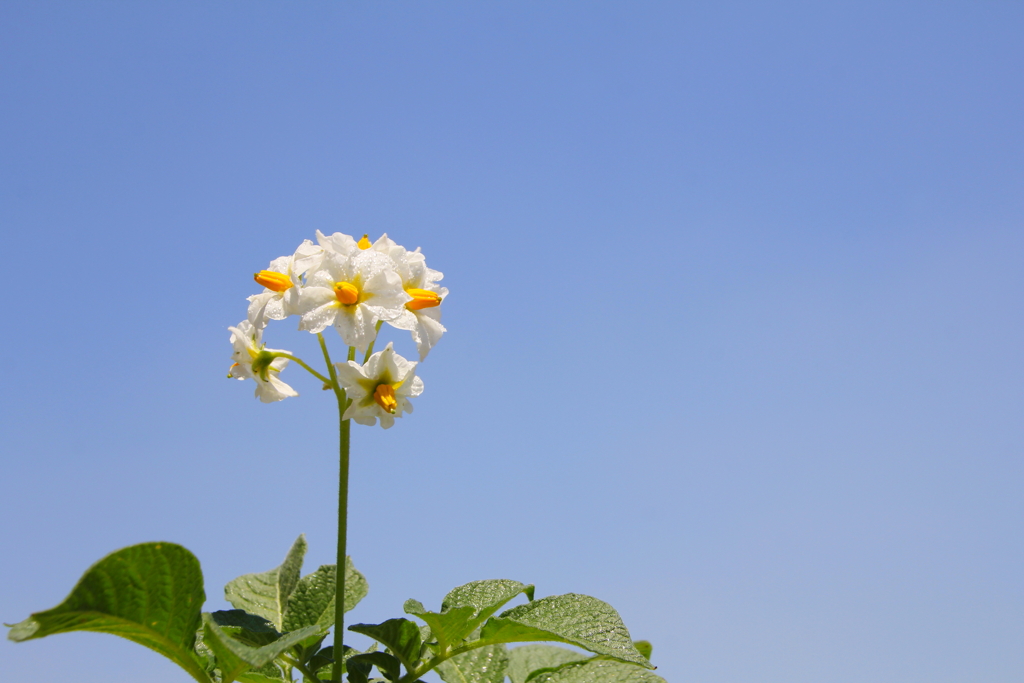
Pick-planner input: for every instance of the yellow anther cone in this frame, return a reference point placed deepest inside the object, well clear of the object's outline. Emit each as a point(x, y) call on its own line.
point(346, 292)
point(384, 395)
point(277, 282)
point(422, 298)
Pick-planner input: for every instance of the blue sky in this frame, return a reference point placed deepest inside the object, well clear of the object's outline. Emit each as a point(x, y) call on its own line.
point(734, 329)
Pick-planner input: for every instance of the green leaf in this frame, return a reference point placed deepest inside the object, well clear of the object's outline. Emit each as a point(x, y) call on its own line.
point(312, 601)
point(150, 593)
point(401, 636)
point(466, 607)
point(448, 627)
point(486, 597)
point(597, 671)
point(267, 594)
point(643, 647)
point(523, 661)
point(387, 664)
point(234, 658)
point(572, 618)
point(483, 665)
point(248, 628)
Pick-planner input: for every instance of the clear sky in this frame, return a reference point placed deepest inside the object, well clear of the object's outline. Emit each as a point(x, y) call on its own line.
point(735, 325)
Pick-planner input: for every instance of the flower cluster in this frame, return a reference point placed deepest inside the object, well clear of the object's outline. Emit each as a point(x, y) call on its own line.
point(354, 286)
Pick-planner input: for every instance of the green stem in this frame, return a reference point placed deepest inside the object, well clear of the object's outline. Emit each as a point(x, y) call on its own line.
point(343, 448)
point(369, 349)
point(298, 360)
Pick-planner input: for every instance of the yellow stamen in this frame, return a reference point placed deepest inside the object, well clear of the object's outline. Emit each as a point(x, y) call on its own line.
point(346, 292)
point(364, 243)
point(422, 298)
point(278, 282)
point(385, 397)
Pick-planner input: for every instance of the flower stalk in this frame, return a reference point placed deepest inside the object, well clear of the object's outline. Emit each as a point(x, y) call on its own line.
point(344, 428)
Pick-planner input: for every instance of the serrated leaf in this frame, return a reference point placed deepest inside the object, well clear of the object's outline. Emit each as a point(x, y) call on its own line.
point(151, 594)
point(235, 658)
point(572, 618)
point(523, 661)
point(483, 665)
point(401, 636)
point(312, 601)
point(598, 671)
point(266, 594)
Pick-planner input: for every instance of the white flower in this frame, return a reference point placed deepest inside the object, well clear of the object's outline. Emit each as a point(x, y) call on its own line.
point(352, 293)
point(283, 282)
point(422, 313)
point(254, 361)
point(380, 389)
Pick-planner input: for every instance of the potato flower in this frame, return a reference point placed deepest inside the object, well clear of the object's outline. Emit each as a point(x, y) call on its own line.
point(254, 361)
point(380, 389)
point(421, 315)
point(352, 292)
point(282, 282)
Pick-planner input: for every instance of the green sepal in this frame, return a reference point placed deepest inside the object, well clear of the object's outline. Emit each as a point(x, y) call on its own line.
point(401, 636)
point(235, 657)
point(529, 659)
point(266, 594)
point(151, 594)
point(576, 619)
point(486, 664)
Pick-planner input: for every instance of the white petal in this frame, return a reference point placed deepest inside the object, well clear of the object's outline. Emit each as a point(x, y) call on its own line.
point(415, 388)
point(428, 330)
point(275, 308)
point(307, 256)
point(273, 389)
point(319, 318)
point(350, 375)
point(280, 265)
point(313, 297)
point(337, 243)
point(356, 325)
